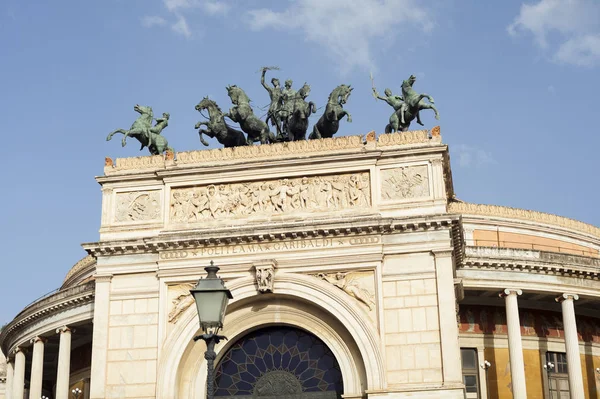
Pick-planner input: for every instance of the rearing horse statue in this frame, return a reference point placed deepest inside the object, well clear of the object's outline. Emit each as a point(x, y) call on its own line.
point(329, 123)
point(298, 120)
point(242, 113)
point(414, 103)
point(217, 127)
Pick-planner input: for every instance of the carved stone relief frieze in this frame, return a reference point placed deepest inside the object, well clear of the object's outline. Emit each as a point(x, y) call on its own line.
point(405, 182)
point(358, 285)
point(138, 206)
point(271, 197)
point(182, 299)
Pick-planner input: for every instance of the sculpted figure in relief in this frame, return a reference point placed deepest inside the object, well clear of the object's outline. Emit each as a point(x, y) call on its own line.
point(265, 278)
point(181, 302)
point(137, 206)
point(319, 193)
point(405, 182)
point(345, 282)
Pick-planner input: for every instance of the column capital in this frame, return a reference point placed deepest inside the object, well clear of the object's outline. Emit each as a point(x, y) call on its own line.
point(106, 278)
point(38, 339)
point(442, 253)
point(510, 291)
point(64, 329)
point(565, 296)
point(19, 349)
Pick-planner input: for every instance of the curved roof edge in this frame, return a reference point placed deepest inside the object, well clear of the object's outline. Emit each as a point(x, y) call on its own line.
point(523, 214)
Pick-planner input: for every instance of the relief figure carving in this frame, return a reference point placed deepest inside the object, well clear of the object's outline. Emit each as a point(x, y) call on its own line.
point(138, 206)
point(181, 302)
point(405, 182)
point(317, 193)
point(350, 286)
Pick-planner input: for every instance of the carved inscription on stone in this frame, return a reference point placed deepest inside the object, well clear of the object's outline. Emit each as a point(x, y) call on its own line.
point(138, 206)
point(271, 197)
point(406, 182)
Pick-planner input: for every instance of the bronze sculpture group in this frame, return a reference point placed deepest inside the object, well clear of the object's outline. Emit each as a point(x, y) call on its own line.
point(288, 112)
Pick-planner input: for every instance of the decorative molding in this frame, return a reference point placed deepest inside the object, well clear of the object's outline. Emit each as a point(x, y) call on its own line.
point(495, 252)
point(81, 265)
point(272, 197)
point(405, 183)
point(38, 339)
point(410, 137)
point(522, 214)
point(183, 300)
point(566, 296)
point(265, 275)
point(138, 206)
point(64, 329)
point(348, 283)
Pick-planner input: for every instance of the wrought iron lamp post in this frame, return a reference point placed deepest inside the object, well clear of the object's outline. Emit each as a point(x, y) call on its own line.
point(211, 298)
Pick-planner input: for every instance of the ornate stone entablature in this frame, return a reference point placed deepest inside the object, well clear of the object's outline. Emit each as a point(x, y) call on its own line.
point(531, 261)
point(46, 307)
point(522, 214)
point(272, 151)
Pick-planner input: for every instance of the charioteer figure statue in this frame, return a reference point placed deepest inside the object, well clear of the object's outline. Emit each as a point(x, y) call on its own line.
point(288, 95)
point(275, 94)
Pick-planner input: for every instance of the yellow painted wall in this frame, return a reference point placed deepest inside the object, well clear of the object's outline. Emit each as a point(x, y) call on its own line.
point(487, 238)
point(499, 380)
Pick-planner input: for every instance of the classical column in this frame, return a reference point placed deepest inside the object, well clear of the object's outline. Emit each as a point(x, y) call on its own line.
point(19, 374)
point(572, 344)
point(37, 368)
point(64, 363)
point(515, 347)
point(10, 371)
point(444, 273)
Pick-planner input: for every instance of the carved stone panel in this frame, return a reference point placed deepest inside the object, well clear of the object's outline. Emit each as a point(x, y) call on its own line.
point(271, 197)
point(405, 183)
point(138, 206)
point(265, 276)
point(181, 299)
point(359, 285)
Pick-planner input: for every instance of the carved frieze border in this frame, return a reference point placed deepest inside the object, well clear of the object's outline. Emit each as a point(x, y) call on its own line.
point(523, 214)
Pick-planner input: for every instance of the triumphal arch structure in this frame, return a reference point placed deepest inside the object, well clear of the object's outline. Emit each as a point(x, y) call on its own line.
point(355, 273)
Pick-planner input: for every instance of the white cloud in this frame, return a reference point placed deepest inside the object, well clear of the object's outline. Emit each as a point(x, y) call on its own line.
point(348, 28)
point(471, 156)
point(570, 29)
point(149, 21)
point(179, 8)
point(181, 27)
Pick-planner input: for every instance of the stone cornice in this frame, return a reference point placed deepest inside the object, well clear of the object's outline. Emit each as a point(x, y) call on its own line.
point(522, 214)
point(46, 307)
point(311, 148)
point(260, 234)
point(531, 261)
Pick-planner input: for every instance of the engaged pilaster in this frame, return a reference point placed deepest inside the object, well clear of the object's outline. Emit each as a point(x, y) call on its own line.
point(572, 345)
point(444, 273)
point(64, 363)
point(37, 368)
point(515, 347)
point(19, 374)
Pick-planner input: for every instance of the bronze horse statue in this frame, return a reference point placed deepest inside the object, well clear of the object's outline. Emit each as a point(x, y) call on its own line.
point(414, 103)
point(242, 113)
point(216, 127)
point(298, 120)
point(329, 123)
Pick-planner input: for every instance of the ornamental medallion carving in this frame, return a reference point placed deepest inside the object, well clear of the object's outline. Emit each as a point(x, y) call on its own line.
point(271, 197)
point(181, 301)
point(352, 284)
point(406, 182)
point(138, 206)
point(276, 383)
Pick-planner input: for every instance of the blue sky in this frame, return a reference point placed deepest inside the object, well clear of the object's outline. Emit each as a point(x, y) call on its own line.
point(516, 85)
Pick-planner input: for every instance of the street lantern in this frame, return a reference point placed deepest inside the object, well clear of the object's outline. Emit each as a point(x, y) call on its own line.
point(211, 298)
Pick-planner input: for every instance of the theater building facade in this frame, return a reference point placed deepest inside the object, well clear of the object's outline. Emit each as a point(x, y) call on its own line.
point(355, 273)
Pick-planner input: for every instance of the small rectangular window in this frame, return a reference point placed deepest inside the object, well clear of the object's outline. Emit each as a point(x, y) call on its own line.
point(470, 372)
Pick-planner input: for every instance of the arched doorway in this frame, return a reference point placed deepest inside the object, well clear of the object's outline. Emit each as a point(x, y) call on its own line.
point(279, 362)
